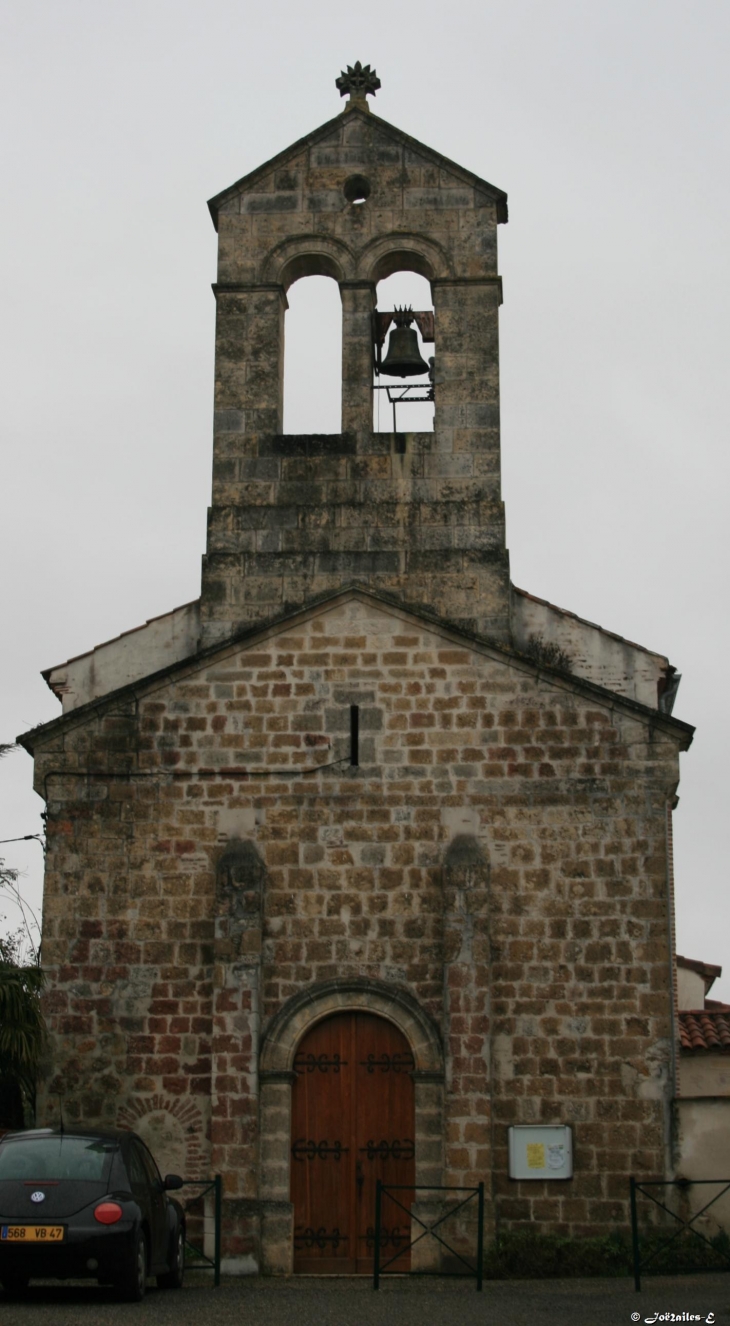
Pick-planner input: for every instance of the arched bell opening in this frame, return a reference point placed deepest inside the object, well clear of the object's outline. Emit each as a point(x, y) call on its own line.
point(307, 263)
point(312, 347)
point(398, 259)
point(404, 349)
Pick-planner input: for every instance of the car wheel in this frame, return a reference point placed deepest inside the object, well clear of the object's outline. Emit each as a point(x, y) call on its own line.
point(131, 1284)
point(14, 1284)
point(173, 1278)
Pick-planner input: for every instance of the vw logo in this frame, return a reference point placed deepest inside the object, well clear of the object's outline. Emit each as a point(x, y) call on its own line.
point(37, 1197)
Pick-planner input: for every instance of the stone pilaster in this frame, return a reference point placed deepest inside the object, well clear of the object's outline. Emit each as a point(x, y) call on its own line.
point(249, 358)
point(467, 432)
point(249, 402)
point(358, 302)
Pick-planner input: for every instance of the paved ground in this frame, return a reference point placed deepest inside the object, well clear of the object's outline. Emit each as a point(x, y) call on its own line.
point(308, 1301)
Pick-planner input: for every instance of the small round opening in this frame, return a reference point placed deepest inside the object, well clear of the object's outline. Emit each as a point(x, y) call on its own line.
point(357, 189)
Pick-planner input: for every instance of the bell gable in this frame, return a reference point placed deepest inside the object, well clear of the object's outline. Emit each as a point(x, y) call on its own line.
point(318, 166)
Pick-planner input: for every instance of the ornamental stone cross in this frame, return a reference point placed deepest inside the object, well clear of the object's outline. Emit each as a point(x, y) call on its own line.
point(360, 81)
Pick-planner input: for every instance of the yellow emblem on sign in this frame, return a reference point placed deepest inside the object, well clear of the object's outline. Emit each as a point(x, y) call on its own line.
point(535, 1155)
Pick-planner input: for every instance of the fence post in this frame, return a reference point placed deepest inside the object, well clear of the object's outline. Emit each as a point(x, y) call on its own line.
point(635, 1235)
point(376, 1259)
point(480, 1238)
point(217, 1251)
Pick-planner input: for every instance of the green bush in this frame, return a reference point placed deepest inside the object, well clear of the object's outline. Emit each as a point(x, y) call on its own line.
point(524, 1254)
point(687, 1253)
point(527, 1255)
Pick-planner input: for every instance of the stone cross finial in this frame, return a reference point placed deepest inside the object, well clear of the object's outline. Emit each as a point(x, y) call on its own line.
point(360, 81)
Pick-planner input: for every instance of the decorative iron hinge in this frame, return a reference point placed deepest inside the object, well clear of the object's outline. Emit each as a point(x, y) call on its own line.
point(389, 1063)
point(395, 1150)
point(388, 1237)
point(311, 1063)
point(317, 1238)
point(307, 1149)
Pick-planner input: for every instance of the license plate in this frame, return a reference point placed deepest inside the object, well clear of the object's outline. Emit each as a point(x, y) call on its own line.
point(31, 1233)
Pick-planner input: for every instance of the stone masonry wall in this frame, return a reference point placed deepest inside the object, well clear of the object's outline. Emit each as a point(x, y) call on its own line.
point(499, 855)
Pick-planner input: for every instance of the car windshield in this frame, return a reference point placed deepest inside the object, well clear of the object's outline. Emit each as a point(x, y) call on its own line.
point(57, 1157)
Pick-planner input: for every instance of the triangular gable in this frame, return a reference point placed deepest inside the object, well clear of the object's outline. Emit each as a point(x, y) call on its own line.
point(680, 731)
point(427, 154)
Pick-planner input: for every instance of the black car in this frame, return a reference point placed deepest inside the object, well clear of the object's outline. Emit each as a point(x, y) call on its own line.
point(87, 1203)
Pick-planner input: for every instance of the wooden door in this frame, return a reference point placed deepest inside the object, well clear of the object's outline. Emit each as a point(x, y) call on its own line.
point(352, 1123)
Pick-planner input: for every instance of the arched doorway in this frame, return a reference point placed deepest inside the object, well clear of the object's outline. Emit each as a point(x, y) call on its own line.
point(353, 1122)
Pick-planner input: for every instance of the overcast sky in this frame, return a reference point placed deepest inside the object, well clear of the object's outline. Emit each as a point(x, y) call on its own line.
point(607, 123)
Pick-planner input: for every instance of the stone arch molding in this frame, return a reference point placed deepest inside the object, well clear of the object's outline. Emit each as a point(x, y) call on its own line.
point(302, 1011)
point(276, 1074)
point(308, 255)
point(403, 251)
point(323, 255)
point(174, 1129)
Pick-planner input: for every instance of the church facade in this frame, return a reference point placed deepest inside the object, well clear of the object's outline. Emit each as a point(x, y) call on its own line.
point(361, 863)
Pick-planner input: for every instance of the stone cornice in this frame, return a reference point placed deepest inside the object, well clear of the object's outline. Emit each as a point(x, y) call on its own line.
point(265, 287)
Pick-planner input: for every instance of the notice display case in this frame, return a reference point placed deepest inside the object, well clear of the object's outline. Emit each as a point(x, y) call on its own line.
point(540, 1151)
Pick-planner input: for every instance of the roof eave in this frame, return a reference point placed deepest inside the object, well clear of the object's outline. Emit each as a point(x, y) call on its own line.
point(47, 673)
point(673, 726)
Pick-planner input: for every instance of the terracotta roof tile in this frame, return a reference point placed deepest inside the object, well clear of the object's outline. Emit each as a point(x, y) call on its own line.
point(705, 1029)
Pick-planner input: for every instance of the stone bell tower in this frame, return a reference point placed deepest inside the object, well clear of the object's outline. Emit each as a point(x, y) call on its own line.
point(417, 516)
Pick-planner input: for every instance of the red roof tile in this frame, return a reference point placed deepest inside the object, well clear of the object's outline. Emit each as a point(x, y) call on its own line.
point(705, 1029)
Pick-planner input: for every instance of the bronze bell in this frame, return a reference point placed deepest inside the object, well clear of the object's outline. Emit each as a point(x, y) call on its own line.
point(403, 359)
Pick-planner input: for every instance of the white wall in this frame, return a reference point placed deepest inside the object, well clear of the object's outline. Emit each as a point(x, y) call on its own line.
point(702, 1137)
point(690, 988)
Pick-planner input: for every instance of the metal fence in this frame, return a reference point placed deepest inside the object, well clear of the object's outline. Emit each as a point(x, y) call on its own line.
point(386, 1191)
point(196, 1258)
point(640, 1188)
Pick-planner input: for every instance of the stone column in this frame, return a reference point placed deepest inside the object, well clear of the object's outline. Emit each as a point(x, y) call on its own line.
point(467, 436)
point(428, 1207)
point(467, 1010)
point(467, 367)
point(249, 358)
point(240, 882)
point(358, 302)
point(249, 408)
point(277, 1210)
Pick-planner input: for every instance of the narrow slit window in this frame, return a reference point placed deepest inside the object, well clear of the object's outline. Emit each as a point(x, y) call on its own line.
point(354, 735)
